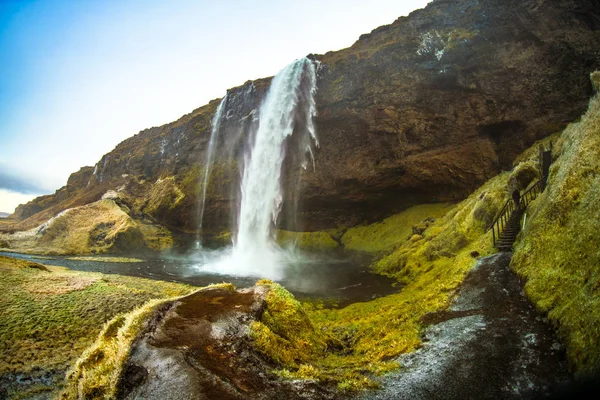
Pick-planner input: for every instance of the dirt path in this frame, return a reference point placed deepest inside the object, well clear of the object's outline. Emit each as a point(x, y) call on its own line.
point(491, 344)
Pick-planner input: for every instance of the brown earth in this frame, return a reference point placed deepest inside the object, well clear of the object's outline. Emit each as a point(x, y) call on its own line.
point(200, 349)
point(422, 110)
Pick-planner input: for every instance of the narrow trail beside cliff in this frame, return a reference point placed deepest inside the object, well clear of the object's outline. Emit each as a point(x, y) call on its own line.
point(490, 344)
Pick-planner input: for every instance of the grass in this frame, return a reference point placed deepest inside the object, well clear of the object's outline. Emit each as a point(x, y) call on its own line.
point(96, 373)
point(50, 315)
point(285, 334)
point(557, 253)
point(393, 231)
point(96, 227)
point(307, 240)
point(99, 227)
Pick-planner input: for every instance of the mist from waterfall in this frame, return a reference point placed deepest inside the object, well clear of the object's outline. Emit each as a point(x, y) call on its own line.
point(288, 108)
point(210, 159)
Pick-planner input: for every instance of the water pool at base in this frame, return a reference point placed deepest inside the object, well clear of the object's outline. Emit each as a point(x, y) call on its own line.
point(343, 278)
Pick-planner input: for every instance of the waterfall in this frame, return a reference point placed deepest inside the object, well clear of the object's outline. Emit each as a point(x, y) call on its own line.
point(288, 108)
point(261, 189)
point(210, 156)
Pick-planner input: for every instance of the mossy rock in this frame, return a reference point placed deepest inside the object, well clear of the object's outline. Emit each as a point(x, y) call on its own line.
point(318, 241)
point(393, 231)
point(285, 334)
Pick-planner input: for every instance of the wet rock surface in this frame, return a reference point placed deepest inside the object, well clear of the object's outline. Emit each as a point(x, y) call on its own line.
point(490, 344)
point(199, 349)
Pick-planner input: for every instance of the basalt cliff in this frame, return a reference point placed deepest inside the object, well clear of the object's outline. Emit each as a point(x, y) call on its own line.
point(423, 110)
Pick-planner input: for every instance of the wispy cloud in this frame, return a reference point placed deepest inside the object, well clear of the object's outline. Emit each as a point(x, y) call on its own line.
point(19, 184)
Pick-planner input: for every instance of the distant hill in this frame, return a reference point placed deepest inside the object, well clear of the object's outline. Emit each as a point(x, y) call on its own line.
point(4, 214)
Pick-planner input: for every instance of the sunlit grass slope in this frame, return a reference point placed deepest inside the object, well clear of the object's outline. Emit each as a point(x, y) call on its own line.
point(393, 231)
point(50, 315)
point(558, 253)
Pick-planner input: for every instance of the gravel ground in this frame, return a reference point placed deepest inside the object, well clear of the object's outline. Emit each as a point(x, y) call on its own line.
point(491, 344)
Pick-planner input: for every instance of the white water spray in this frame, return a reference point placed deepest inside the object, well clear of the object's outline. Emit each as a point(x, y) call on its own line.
point(210, 158)
point(290, 99)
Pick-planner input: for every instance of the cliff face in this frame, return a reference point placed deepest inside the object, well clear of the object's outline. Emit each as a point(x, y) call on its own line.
point(422, 110)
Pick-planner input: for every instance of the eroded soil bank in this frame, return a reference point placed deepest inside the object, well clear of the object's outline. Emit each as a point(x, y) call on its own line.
point(490, 344)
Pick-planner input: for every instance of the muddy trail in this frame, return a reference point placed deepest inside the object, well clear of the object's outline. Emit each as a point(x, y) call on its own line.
point(490, 344)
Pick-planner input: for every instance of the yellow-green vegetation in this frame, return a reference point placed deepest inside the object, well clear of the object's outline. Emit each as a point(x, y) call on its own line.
point(50, 315)
point(99, 227)
point(285, 334)
point(107, 259)
point(431, 265)
point(393, 231)
point(532, 152)
point(319, 240)
point(523, 174)
point(362, 339)
point(350, 345)
point(164, 196)
point(96, 373)
point(558, 253)
point(156, 237)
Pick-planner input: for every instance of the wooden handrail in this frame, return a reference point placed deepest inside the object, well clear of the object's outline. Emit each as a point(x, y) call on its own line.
point(497, 226)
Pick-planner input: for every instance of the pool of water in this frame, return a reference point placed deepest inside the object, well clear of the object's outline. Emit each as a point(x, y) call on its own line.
point(341, 278)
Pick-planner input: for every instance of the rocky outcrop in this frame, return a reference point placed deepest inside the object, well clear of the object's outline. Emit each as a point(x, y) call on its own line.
point(422, 110)
point(102, 226)
point(197, 347)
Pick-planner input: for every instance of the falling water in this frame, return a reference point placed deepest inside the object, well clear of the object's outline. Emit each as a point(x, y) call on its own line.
point(210, 156)
point(261, 189)
point(290, 100)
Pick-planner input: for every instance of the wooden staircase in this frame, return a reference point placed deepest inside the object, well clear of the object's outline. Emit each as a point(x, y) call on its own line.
point(510, 232)
point(507, 224)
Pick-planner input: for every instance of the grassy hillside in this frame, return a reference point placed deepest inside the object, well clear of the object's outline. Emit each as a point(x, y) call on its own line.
point(50, 315)
point(103, 226)
point(558, 253)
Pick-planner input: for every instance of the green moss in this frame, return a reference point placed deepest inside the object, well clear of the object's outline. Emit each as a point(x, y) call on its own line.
point(307, 240)
point(523, 175)
point(392, 231)
point(351, 345)
point(50, 315)
point(95, 374)
point(164, 196)
point(285, 334)
point(462, 229)
point(557, 253)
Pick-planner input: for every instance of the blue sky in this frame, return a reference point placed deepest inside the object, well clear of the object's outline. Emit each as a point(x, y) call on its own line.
point(79, 76)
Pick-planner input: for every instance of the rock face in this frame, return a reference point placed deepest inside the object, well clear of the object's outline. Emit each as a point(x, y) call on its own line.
point(200, 349)
point(422, 110)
